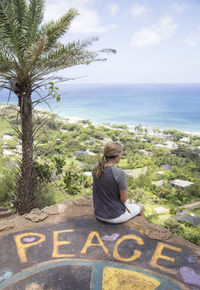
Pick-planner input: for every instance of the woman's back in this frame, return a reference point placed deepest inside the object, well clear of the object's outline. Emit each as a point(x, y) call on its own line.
point(106, 192)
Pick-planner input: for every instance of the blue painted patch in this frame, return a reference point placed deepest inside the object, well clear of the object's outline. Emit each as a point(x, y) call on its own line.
point(96, 274)
point(5, 276)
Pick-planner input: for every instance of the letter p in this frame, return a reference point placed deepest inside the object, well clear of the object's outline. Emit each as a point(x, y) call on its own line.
point(22, 247)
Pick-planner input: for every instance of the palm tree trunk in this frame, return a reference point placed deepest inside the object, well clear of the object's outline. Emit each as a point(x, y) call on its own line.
point(26, 195)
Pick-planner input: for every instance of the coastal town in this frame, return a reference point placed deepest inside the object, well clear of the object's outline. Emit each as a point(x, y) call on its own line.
point(162, 166)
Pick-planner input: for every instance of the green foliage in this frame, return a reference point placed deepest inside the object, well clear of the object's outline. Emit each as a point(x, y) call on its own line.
point(187, 154)
point(52, 124)
point(47, 196)
point(99, 135)
point(84, 137)
point(139, 160)
point(96, 148)
point(168, 175)
point(6, 184)
point(59, 163)
point(177, 135)
point(152, 216)
point(53, 91)
point(191, 234)
point(173, 210)
point(138, 195)
point(45, 168)
point(73, 180)
point(193, 190)
point(44, 171)
point(63, 179)
point(120, 126)
point(142, 181)
point(174, 226)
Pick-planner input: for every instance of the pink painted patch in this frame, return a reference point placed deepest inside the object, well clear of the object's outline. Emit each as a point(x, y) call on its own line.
point(28, 240)
point(189, 276)
point(111, 238)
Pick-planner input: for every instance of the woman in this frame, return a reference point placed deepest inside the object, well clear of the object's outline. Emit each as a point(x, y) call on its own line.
point(110, 188)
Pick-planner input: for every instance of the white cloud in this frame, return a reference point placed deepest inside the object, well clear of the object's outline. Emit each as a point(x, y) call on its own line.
point(88, 20)
point(153, 35)
point(138, 10)
point(192, 39)
point(55, 9)
point(113, 9)
point(179, 8)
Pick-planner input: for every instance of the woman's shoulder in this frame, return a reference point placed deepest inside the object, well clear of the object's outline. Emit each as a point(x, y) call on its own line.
point(118, 171)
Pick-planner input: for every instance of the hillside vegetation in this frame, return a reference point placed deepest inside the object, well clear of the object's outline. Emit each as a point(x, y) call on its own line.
point(66, 152)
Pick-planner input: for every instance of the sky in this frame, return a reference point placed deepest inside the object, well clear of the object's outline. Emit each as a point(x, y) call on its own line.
point(157, 41)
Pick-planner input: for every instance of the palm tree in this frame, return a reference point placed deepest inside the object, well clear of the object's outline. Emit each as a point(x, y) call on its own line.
point(29, 55)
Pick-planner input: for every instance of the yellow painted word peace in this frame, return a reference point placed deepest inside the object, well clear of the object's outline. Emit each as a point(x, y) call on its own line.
point(158, 253)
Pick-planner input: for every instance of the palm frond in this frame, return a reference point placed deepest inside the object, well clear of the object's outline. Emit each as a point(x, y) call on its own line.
point(5, 67)
point(54, 30)
point(6, 61)
point(11, 28)
point(34, 19)
point(108, 50)
point(8, 23)
point(33, 55)
point(64, 59)
point(81, 44)
point(20, 8)
point(28, 53)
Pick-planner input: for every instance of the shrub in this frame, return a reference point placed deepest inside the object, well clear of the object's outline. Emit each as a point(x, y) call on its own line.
point(47, 196)
point(173, 210)
point(191, 234)
point(174, 226)
point(74, 180)
point(6, 186)
point(99, 135)
point(84, 136)
point(96, 148)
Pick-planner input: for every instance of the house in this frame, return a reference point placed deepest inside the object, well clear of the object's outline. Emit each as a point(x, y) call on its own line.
point(166, 166)
point(185, 139)
point(168, 145)
point(145, 152)
point(7, 137)
point(145, 140)
point(181, 183)
point(197, 152)
point(159, 182)
point(80, 152)
point(160, 172)
point(124, 134)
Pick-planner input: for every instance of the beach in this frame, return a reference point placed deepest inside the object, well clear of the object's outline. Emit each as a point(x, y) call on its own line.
point(163, 106)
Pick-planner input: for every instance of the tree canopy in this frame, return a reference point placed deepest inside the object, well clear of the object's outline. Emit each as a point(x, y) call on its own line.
point(30, 54)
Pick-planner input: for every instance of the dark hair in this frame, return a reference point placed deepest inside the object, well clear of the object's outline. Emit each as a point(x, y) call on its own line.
point(111, 150)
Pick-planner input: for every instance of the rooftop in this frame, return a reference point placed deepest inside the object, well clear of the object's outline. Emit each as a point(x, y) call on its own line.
point(182, 183)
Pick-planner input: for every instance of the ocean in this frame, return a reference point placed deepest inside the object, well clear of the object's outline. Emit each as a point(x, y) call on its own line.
point(163, 106)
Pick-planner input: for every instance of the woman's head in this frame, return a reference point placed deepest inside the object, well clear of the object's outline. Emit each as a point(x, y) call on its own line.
point(112, 151)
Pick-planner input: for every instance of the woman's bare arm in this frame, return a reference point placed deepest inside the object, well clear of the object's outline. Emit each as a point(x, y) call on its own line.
point(123, 195)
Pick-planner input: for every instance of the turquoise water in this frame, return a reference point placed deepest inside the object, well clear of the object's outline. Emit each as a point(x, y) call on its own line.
point(153, 105)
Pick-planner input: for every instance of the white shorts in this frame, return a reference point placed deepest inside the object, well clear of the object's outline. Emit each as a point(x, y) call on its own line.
point(132, 209)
